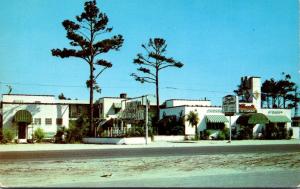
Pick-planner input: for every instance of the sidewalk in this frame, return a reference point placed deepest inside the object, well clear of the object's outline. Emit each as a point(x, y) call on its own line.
point(37, 147)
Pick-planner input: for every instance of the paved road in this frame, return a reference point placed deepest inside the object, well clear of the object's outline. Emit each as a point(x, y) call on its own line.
point(144, 152)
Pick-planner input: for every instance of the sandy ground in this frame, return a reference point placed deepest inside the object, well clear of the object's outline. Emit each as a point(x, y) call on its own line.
point(118, 171)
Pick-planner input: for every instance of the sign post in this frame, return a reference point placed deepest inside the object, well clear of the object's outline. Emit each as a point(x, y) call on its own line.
point(230, 106)
point(134, 111)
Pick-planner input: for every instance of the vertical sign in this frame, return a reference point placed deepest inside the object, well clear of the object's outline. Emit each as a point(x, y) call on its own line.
point(230, 105)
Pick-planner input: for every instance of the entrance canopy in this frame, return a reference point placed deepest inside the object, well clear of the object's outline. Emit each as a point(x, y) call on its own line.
point(216, 118)
point(23, 116)
point(252, 119)
point(278, 119)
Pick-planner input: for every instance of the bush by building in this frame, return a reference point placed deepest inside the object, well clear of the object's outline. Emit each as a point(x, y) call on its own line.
point(77, 130)
point(204, 135)
point(39, 134)
point(8, 135)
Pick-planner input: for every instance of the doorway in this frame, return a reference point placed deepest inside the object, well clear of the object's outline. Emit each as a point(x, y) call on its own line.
point(22, 130)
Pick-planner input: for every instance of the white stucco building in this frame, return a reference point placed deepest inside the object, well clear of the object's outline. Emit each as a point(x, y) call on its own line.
point(25, 113)
point(211, 117)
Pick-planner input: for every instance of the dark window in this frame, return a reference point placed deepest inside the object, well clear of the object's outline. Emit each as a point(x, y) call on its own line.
point(48, 121)
point(215, 126)
point(59, 121)
point(37, 121)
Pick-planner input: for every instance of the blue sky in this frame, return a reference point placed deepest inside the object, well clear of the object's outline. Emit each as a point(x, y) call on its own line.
point(218, 41)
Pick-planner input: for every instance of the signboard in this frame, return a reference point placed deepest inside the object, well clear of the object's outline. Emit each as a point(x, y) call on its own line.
point(275, 112)
point(134, 110)
point(230, 105)
point(247, 108)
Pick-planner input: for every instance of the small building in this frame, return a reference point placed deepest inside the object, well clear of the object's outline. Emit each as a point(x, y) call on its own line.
point(25, 113)
point(251, 114)
point(210, 117)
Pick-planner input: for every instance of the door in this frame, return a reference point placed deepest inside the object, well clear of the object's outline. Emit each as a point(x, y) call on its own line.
point(22, 131)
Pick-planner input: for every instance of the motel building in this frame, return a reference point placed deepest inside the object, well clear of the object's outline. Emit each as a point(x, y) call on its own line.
point(250, 114)
point(24, 113)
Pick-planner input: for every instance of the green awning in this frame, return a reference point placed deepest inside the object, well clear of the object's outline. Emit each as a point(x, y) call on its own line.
point(252, 119)
point(278, 119)
point(23, 116)
point(216, 118)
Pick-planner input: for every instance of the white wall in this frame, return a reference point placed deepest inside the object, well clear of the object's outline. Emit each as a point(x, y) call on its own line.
point(108, 109)
point(202, 112)
point(285, 112)
point(178, 102)
point(28, 98)
point(37, 111)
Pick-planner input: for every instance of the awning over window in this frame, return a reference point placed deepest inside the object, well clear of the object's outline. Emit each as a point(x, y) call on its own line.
point(216, 118)
point(252, 119)
point(278, 119)
point(23, 116)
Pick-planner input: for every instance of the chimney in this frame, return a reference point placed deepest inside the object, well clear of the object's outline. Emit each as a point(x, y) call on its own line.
point(123, 95)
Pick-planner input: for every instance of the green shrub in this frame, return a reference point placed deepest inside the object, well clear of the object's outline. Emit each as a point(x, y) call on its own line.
point(8, 135)
point(245, 132)
point(39, 134)
point(77, 130)
point(226, 133)
point(59, 133)
point(205, 134)
point(135, 132)
point(221, 135)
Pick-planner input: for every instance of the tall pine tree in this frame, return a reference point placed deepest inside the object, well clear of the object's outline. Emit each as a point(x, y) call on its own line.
point(83, 35)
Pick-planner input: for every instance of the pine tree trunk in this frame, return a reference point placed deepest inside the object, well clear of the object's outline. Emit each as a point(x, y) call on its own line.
point(91, 120)
point(157, 99)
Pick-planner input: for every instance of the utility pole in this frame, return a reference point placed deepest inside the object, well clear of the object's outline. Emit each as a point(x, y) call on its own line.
point(145, 114)
point(146, 119)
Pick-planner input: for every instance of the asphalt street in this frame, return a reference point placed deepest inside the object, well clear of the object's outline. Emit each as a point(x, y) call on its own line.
point(144, 152)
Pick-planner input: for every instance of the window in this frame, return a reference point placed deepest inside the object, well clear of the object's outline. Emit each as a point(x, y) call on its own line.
point(48, 121)
point(59, 121)
point(215, 126)
point(37, 121)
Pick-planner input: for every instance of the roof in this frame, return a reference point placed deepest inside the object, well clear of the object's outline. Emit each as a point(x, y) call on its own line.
point(28, 95)
point(188, 99)
point(193, 106)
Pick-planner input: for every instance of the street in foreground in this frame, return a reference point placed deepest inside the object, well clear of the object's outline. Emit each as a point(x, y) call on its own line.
point(217, 170)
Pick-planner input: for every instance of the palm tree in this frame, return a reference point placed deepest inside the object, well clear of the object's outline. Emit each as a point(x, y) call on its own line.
point(193, 120)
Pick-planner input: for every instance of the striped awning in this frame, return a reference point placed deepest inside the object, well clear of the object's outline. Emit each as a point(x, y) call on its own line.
point(278, 119)
point(216, 118)
point(23, 116)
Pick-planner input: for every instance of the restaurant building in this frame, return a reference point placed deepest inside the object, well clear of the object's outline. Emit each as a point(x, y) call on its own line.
point(210, 117)
point(251, 114)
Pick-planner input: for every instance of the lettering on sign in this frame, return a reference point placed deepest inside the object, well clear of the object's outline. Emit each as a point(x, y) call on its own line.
point(247, 108)
point(275, 112)
point(214, 111)
point(133, 111)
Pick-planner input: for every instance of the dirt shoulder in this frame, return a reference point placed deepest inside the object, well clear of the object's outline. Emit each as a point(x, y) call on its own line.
point(56, 173)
